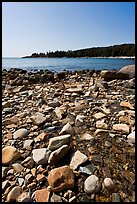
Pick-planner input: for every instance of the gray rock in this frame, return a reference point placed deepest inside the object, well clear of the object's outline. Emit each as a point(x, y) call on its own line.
point(21, 181)
point(56, 142)
point(56, 155)
point(88, 169)
point(55, 198)
point(28, 143)
point(28, 162)
point(21, 133)
point(38, 118)
point(40, 156)
point(91, 184)
point(115, 197)
point(77, 159)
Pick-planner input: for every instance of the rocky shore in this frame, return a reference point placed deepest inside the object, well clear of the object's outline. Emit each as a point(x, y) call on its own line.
point(69, 136)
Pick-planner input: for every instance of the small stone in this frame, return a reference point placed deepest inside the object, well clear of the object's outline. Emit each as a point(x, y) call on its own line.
point(88, 169)
point(56, 142)
point(87, 136)
point(131, 137)
point(40, 155)
point(108, 183)
point(42, 195)
point(77, 159)
point(17, 167)
point(56, 155)
point(115, 197)
point(91, 184)
point(40, 177)
point(28, 162)
point(9, 155)
point(13, 194)
point(41, 137)
point(126, 105)
point(99, 115)
point(38, 118)
point(121, 127)
point(61, 178)
point(72, 199)
point(21, 133)
point(5, 184)
point(21, 181)
point(27, 143)
point(67, 129)
point(24, 197)
point(55, 198)
point(28, 178)
point(101, 124)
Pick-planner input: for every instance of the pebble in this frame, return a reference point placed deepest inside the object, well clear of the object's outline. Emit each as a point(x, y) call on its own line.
point(124, 128)
point(40, 156)
point(108, 183)
point(17, 167)
point(9, 155)
point(42, 195)
point(24, 197)
point(61, 178)
point(67, 129)
point(91, 184)
point(56, 142)
point(58, 154)
point(13, 194)
point(77, 159)
point(21, 133)
point(131, 137)
point(38, 118)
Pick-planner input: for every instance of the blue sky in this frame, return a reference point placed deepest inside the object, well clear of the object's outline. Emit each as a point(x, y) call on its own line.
point(29, 27)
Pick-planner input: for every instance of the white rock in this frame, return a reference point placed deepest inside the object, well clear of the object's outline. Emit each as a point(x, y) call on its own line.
point(56, 142)
point(67, 129)
point(108, 183)
point(131, 137)
point(21, 133)
point(91, 184)
point(40, 155)
point(77, 159)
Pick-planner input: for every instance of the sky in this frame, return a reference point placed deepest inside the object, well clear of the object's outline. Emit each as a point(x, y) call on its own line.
point(29, 27)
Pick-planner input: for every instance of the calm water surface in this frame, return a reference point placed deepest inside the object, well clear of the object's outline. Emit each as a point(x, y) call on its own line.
point(60, 64)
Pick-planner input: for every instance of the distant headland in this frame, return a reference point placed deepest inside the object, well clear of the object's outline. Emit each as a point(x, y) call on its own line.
point(126, 50)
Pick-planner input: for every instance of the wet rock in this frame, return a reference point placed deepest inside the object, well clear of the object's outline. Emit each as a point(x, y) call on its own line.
point(21, 133)
point(131, 137)
point(40, 156)
point(56, 142)
point(9, 155)
point(77, 159)
point(91, 184)
point(14, 193)
point(61, 178)
point(42, 195)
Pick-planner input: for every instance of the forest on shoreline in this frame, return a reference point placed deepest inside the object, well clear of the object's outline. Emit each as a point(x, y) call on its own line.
point(110, 51)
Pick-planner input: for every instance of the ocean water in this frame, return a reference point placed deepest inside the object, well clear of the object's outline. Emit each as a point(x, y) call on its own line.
point(70, 64)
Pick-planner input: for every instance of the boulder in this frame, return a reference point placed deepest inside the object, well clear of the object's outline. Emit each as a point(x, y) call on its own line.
point(111, 75)
point(130, 70)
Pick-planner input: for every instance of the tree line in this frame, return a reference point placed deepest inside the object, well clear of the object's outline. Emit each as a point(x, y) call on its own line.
point(111, 51)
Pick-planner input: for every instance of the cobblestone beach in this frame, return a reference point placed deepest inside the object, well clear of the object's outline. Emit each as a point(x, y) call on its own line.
point(68, 136)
